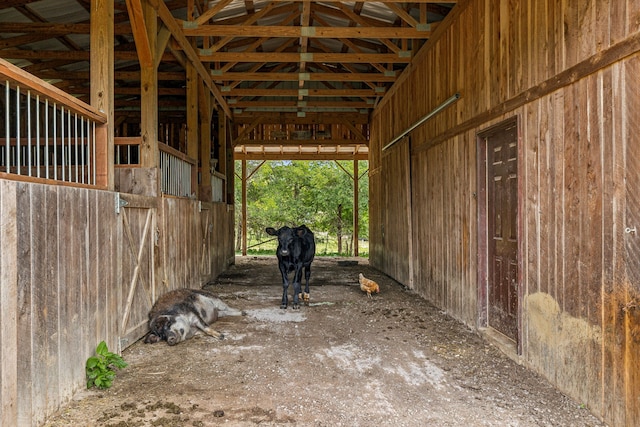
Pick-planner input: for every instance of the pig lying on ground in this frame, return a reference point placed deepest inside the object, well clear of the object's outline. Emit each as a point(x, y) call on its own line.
point(178, 315)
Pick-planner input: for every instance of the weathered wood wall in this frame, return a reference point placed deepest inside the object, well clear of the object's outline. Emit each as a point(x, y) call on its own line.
point(394, 225)
point(75, 272)
point(568, 71)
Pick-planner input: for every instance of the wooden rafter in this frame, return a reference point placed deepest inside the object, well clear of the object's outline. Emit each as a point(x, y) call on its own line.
point(139, 30)
point(295, 76)
point(172, 25)
point(306, 31)
point(302, 61)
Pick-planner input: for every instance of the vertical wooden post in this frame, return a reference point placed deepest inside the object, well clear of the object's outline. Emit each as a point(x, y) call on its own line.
point(192, 117)
point(101, 81)
point(149, 156)
point(356, 178)
point(205, 142)
point(226, 157)
point(244, 208)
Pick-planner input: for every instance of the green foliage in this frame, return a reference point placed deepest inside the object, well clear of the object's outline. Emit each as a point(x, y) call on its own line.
point(99, 368)
point(318, 194)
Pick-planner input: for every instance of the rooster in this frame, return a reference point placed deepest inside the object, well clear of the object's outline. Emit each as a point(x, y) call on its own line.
point(368, 285)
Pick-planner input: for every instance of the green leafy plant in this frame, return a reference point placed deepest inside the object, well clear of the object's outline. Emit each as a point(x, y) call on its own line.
point(100, 368)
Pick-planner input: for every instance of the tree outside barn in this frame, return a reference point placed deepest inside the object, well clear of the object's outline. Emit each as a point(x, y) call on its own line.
point(316, 193)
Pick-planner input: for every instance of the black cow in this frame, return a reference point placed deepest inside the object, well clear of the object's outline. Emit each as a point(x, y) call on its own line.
point(296, 249)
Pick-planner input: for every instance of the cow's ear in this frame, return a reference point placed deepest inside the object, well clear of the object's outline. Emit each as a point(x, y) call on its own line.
point(271, 231)
point(301, 231)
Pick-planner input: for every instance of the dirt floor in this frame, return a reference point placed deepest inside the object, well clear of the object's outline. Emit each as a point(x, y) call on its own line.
point(345, 360)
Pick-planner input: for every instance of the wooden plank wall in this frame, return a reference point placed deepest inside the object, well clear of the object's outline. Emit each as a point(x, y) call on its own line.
point(568, 71)
point(63, 268)
point(397, 222)
point(193, 250)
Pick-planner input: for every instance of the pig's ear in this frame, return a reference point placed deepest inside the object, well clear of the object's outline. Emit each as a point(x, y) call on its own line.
point(159, 323)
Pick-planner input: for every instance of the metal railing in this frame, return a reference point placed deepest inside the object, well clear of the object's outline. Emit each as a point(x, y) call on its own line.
point(217, 187)
point(46, 133)
point(177, 172)
point(126, 151)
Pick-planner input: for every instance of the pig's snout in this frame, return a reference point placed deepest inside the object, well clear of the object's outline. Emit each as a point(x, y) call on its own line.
point(173, 339)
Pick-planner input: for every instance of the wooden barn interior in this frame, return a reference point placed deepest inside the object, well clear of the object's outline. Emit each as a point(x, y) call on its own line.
point(502, 170)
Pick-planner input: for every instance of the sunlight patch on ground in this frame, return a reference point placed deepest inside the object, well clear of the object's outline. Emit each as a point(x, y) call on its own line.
point(351, 357)
point(277, 315)
point(419, 372)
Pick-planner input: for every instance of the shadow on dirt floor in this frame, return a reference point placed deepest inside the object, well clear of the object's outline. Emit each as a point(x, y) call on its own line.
point(344, 360)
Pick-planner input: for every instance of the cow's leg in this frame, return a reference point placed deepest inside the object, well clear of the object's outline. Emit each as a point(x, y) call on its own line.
point(307, 275)
point(285, 286)
point(297, 278)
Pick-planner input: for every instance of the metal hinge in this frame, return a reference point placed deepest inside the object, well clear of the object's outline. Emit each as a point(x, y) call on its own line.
point(120, 203)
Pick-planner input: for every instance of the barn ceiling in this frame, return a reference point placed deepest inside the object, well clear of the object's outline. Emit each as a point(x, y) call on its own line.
point(300, 60)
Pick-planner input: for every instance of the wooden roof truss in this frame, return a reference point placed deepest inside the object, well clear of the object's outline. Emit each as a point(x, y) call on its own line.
point(307, 63)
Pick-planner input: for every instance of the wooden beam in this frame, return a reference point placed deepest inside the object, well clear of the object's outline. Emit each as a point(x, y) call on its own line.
point(402, 14)
point(354, 129)
point(226, 38)
point(309, 118)
point(307, 92)
point(310, 76)
point(167, 18)
point(304, 42)
point(204, 110)
point(23, 78)
point(53, 29)
point(309, 104)
point(306, 31)
point(193, 138)
point(616, 53)
point(356, 210)
point(162, 41)
point(71, 56)
point(244, 206)
point(301, 142)
point(359, 20)
point(210, 13)
point(149, 153)
point(300, 156)
point(348, 58)
point(138, 27)
point(101, 84)
point(249, 128)
point(118, 75)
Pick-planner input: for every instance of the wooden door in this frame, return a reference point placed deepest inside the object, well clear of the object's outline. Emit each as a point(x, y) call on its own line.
point(206, 235)
point(627, 323)
point(501, 228)
point(137, 242)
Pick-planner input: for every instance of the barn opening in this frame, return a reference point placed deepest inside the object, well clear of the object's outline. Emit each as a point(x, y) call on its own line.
point(330, 197)
point(122, 120)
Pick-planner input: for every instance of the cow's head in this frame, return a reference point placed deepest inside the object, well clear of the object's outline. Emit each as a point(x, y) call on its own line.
point(286, 236)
